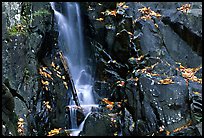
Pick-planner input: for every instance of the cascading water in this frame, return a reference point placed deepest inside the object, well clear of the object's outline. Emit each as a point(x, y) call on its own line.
point(72, 45)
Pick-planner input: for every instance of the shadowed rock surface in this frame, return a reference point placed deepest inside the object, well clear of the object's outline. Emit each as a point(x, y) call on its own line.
point(131, 58)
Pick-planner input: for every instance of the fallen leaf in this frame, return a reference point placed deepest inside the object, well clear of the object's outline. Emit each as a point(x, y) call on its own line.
point(120, 4)
point(197, 93)
point(53, 64)
point(44, 82)
point(184, 8)
point(113, 13)
point(107, 101)
point(130, 33)
point(100, 19)
point(168, 133)
point(156, 25)
point(166, 81)
point(54, 132)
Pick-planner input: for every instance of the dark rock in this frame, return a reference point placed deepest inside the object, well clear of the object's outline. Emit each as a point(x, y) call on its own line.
point(100, 120)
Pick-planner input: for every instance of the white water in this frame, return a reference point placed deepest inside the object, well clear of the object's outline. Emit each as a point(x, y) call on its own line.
point(71, 42)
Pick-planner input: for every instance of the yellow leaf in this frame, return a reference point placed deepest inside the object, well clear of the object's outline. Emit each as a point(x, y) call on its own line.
point(53, 64)
point(121, 4)
point(110, 107)
point(156, 25)
point(21, 120)
point(46, 88)
point(57, 67)
point(63, 77)
point(59, 76)
point(100, 19)
point(168, 132)
point(54, 132)
point(197, 93)
point(49, 76)
point(140, 58)
point(125, 6)
point(130, 33)
point(44, 82)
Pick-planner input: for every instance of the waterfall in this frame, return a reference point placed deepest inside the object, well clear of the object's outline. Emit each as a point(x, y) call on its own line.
point(71, 43)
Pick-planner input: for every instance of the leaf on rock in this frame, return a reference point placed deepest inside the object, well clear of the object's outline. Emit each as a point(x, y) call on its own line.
point(120, 83)
point(166, 81)
point(54, 132)
point(100, 19)
point(44, 82)
point(130, 33)
point(168, 133)
point(120, 4)
point(183, 127)
point(184, 8)
point(197, 93)
point(105, 100)
point(148, 13)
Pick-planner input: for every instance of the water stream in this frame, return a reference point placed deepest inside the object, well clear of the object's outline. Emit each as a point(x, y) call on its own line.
point(71, 42)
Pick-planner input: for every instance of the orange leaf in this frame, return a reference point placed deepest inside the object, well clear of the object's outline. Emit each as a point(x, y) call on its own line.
point(121, 4)
point(107, 101)
point(113, 12)
point(166, 81)
point(168, 133)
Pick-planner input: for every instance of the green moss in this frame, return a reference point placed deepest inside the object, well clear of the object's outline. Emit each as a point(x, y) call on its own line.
point(41, 12)
point(22, 28)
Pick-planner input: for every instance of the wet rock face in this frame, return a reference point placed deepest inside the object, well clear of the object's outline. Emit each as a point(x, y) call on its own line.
point(100, 120)
point(123, 46)
point(173, 38)
point(24, 26)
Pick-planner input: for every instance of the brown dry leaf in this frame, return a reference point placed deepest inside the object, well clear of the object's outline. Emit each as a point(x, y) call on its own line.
point(166, 81)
